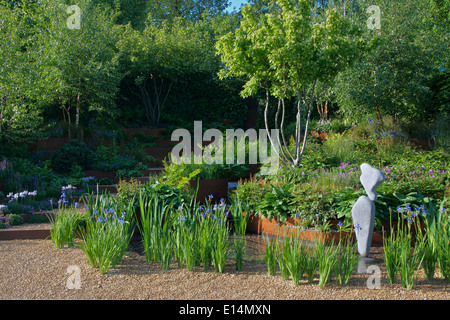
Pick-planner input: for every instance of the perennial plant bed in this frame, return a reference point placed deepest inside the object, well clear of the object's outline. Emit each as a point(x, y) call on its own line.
point(292, 228)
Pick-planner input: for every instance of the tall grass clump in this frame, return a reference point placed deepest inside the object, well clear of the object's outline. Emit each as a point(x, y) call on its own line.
point(327, 259)
point(294, 255)
point(443, 252)
point(240, 214)
point(195, 235)
point(311, 263)
point(281, 251)
point(220, 251)
point(340, 146)
point(437, 249)
point(391, 254)
point(215, 217)
point(404, 253)
point(155, 226)
point(64, 224)
point(270, 255)
point(239, 250)
point(347, 260)
point(108, 232)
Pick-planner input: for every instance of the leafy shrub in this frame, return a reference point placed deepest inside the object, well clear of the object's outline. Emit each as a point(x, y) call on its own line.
point(38, 218)
point(184, 172)
point(114, 157)
point(15, 207)
point(128, 191)
point(72, 153)
point(16, 220)
point(128, 173)
point(312, 205)
point(167, 193)
point(279, 202)
point(4, 221)
point(253, 191)
point(177, 175)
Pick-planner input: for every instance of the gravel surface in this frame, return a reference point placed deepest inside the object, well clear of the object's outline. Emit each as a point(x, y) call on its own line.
point(37, 270)
point(29, 226)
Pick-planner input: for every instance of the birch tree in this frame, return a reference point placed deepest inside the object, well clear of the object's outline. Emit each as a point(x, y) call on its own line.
point(285, 52)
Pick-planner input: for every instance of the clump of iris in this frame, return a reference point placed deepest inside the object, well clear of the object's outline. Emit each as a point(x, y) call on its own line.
point(108, 214)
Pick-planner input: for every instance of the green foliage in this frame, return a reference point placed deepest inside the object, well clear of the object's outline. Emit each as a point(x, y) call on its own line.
point(270, 255)
point(239, 250)
point(128, 191)
point(279, 202)
point(340, 147)
point(109, 229)
point(313, 207)
point(128, 11)
point(194, 235)
point(16, 219)
point(220, 250)
point(38, 218)
point(155, 225)
point(327, 257)
point(253, 191)
point(116, 158)
point(161, 56)
point(125, 173)
point(240, 211)
point(21, 118)
point(79, 66)
point(166, 192)
point(15, 207)
point(294, 256)
point(347, 260)
point(63, 226)
point(179, 174)
point(403, 256)
point(265, 49)
point(73, 153)
point(393, 77)
point(248, 51)
point(192, 10)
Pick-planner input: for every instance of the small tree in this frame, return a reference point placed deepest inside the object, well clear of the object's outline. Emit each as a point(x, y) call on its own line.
point(393, 78)
point(286, 52)
point(158, 57)
point(20, 109)
point(79, 65)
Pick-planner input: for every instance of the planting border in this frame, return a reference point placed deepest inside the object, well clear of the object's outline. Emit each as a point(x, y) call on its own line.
point(259, 225)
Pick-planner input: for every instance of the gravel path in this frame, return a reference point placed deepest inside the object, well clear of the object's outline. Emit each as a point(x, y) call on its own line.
point(34, 269)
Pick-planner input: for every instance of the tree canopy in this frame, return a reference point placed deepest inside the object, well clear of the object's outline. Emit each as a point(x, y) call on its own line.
point(286, 52)
point(151, 61)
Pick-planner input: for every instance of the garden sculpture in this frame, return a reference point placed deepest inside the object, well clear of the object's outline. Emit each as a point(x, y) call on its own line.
point(363, 211)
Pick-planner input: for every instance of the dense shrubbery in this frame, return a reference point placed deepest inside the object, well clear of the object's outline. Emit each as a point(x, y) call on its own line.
point(326, 184)
point(73, 153)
